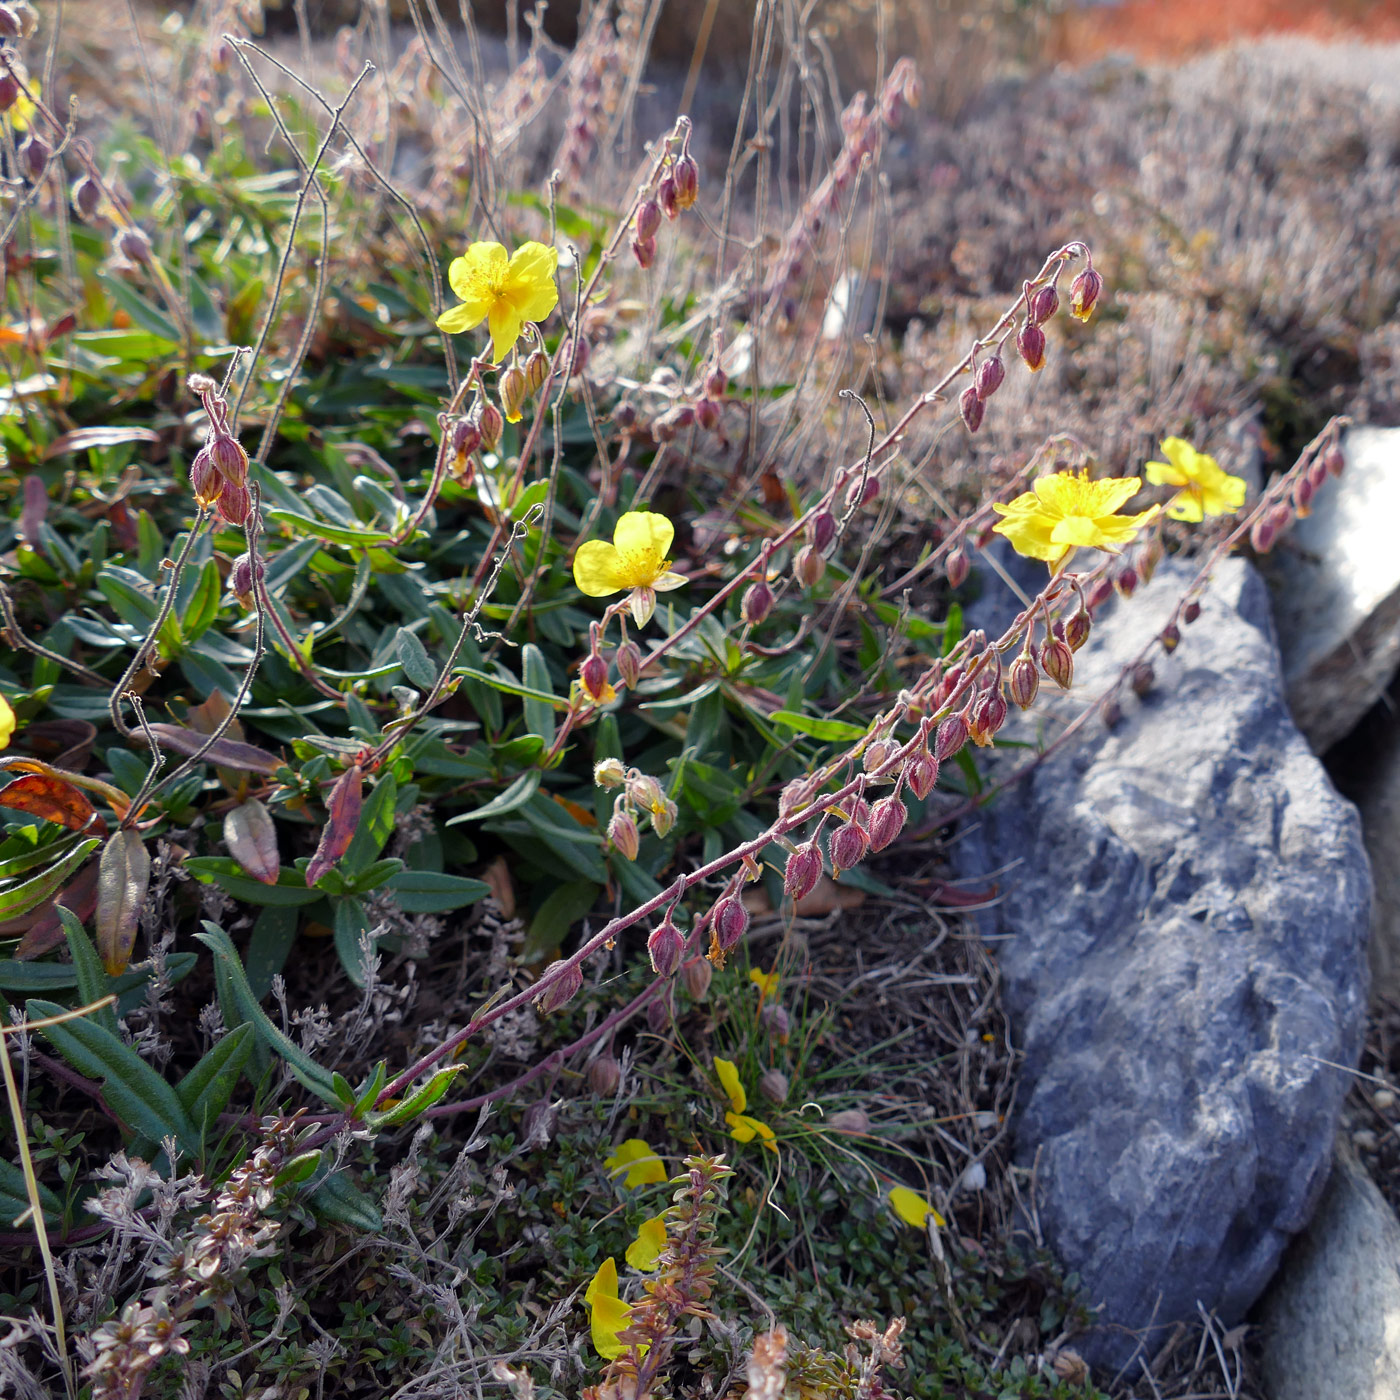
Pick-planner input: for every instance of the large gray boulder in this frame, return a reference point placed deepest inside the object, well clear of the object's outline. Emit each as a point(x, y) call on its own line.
point(1183, 940)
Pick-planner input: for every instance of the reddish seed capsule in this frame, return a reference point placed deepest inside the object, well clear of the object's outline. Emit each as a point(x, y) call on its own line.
point(951, 736)
point(623, 833)
point(666, 198)
point(665, 946)
point(1084, 293)
point(1076, 629)
point(628, 658)
point(604, 1076)
point(716, 383)
point(687, 177)
point(1126, 581)
point(1045, 302)
point(858, 495)
point(887, 818)
point(803, 870)
point(466, 438)
point(821, 530)
point(1263, 534)
point(1303, 496)
point(34, 156)
point(1112, 713)
point(576, 356)
point(774, 1019)
point(1030, 345)
point(230, 458)
point(648, 220)
point(988, 716)
point(990, 374)
point(959, 566)
point(492, 425)
point(707, 414)
point(731, 922)
point(513, 390)
point(921, 773)
point(1023, 681)
point(757, 603)
point(625, 416)
point(1057, 661)
point(10, 26)
point(235, 503)
point(808, 566)
point(86, 197)
point(593, 676)
point(659, 1014)
point(1171, 637)
point(695, 978)
point(205, 481)
point(644, 250)
point(971, 407)
point(134, 246)
point(1143, 678)
point(1335, 459)
point(9, 90)
point(847, 846)
point(242, 576)
point(1099, 594)
point(668, 426)
point(1317, 474)
point(1191, 612)
point(877, 755)
point(536, 370)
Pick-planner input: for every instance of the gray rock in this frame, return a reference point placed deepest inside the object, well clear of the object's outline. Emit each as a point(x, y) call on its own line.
point(1332, 1321)
point(1337, 578)
point(1187, 915)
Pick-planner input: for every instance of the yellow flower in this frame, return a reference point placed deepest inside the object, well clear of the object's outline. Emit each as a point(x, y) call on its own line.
point(912, 1208)
point(503, 292)
point(1066, 511)
point(7, 722)
point(639, 1160)
point(635, 560)
point(1206, 488)
point(22, 108)
point(766, 982)
point(608, 1314)
point(645, 1250)
point(741, 1127)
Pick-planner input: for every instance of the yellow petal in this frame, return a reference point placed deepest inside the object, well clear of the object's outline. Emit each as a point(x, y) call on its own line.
point(1164, 474)
point(645, 1250)
point(1187, 505)
point(644, 534)
point(529, 281)
point(766, 982)
point(1106, 496)
point(598, 569)
point(7, 722)
point(912, 1208)
point(729, 1079)
point(506, 324)
point(1180, 454)
point(604, 1283)
point(608, 1314)
point(477, 274)
point(457, 319)
point(639, 1160)
point(668, 581)
point(742, 1128)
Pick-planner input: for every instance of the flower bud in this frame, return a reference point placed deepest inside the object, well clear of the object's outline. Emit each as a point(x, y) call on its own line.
point(1317, 475)
point(666, 198)
point(687, 177)
point(1076, 631)
point(858, 495)
point(971, 407)
point(951, 736)
point(644, 250)
point(492, 425)
point(695, 978)
point(756, 603)
point(205, 481)
point(988, 715)
point(1170, 638)
point(34, 155)
point(629, 664)
point(465, 439)
point(1023, 681)
point(1191, 612)
point(666, 947)
point(645, 791)
point(803, 870)
point(1030, 345)
point(1335, 459)
point(242, 576)
point(876, 755)
point(235, 503)
point(1303, 492)
point(716, 383)
point(850, 1120)
point(1099, 594)
point(774, 1019)
point(921, 773)
point(887, 818)
point(1111, 713)
point(808, 566)
point(990, 374)
point(1126, 581)
point(958, 568)
point(847, 846)
point(648, 220)
point(9, 22)
point(668, 426)
point(663, 816)
point(593, 676)
point(609, 773)
point(773, 1085)
point(575, 358)
point(821, 530)
point(604, 1076)
point(513, 388)
point(1148, 559)
point(133, 245)
point(566, 984)
point(230, 458)
point(1057, 661)
point(1143, 678)
point(1044, 303)
point(1083, 293)
point(731, 922)
point(536, 370)
point(707, 414)
point(659, 1013)
point(9, 90)
point(623, 833)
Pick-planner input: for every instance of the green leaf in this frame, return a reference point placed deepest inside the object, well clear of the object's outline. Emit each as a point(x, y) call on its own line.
point(516, 795)
point(418, 1102)
point(340, 1201)
point(833, 730)
point(208, 1086)
point(560, 911)
point(413, 657)
point(539, 716)
point(14, 1199)
point(299, 1168)
point(428, 892)
point(92, 979)
point(289, 891)
point(273, 935)
point(352, 923)
point(320, 529)
point(511, 687)
point(371, 1090)
point(132, 1089)
point(375, 828)
point(143, 312)
point(20, 899)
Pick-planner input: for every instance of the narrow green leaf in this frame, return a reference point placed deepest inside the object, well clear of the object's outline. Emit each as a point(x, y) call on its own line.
point(418, 1102)
point(539, 716)
point(289, 891)
point(516, 795)
point(208, 1086)
point(92, 979)
point(834, 730)
point(429, 892)
point(413, 657)
point(340, 1201)
point(20, 899)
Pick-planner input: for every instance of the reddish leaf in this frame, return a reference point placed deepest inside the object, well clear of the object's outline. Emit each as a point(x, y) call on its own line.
point(42, 929)
point(36, 507)
point(206, 718)
point(82, 438)
point(123, 875)
point(62, 743)
point(227, 753)
point(343, 809)
point(52, 800)
point(252, 840)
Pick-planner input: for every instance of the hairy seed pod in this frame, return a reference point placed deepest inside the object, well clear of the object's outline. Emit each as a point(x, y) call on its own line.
point(858, 495)
point(604, 1076)
point(1023, 681)
point(205, 481)
point(808, 566)
point(1126, 581)
point(593, 676)
point(609, 773)
point(687, 177)
point(707, 414)
point(1303, 492)
point(1143, 678)
point(847, 846)
point(1030, 346)
point(230, 458)
point(1057, 661)
point(536, 370)
point(990, 374)
point(1170, 638)
point(628, 659)
point(663, 816)
point(774, 1019)
point(857, 809)
point(667, 427)
point(1317, 475)
point(1190, 612)
point(988, 715)
point(625, 416)
point(492, 425)
point(716, 383)
point(133, 245)
point(623, 833)
point(951, 736)
point(660, 1014)
point(803, 870)
point(574, 358)
point(958, 568)
point(644, 250)
point(245, 572)
point(465, 439)
point(876, 755)
point(1084, 293)
point(235, 503)
point(921, 773)
point(1077, 626)
point(1335, 459)
point(513, 389)
point(86, 197)
point(773, 1085)
point(792, 796)
point(9, 90)
point(756, 603)
point(1111, 714)
point(648, 220)
point(1045, 302)
point(666, 198)
point(34, 156)
point(852, 1121)
point(821, 530)
point(666, 946)
point(1099, 594)
point(695, 978)
point(887, 818)
point(971, 407)
point(731, 922)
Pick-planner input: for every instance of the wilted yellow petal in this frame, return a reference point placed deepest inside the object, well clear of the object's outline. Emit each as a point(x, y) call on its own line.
point(7, 722)
point(608, 1314)
point(912, 1208)
point(729, 1078)
point(646, 1249)
point(639, 1160)
point(766, 982)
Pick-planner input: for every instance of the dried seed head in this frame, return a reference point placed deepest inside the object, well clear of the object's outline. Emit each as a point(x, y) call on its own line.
point(491, 424)
point(623, 833)
point(133, 245)
point(644, 250)
point(235, 503)
point(666, 946)
point(536, 370)
point(1171, 637)
point(1030, 346)
point(988, 715)
point(609, 773)
point(1045, 302)
point(716, 383)
point(774, 1019)
point(86, 197)
point(593, 676)
point(1057, 661)
point(803, 870)
point(1143, 678)
point(850, 1120)
point(604, 1076)
point(821, 530)
point(648, 220)
point(245, 572)
point(887, 818)
point(1077, 626)
point(687, 177)
point(921, 773)
point(205, 481)
point(666, 197)
point(990, 374)
point(230, 458)
point(707, 414)
point(1023, 681)
point(1126, 581)
point(876, 755)
point(695, 978)
point(959, 566)
point(1111, 714)
point(1335, 459)
point(566, 984)
point(1191, 612)
point(1083, 293)
point(756, 603)
point(731, 921)
point(628, 658)
point(971, 407)
point(663, 816)
point(773, 1085)
point(951, 736)
point(847, 846)
point(808, 566)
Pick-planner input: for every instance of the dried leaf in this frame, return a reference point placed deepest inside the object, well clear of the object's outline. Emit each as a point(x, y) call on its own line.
point(497, 875)
point(36, 507)
point(64, 743)
point(252, 840)
point(52, 800)
point(206, 718)
point(343, 810)
point(41, 927)
point(227, 753)
point(123, 876)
